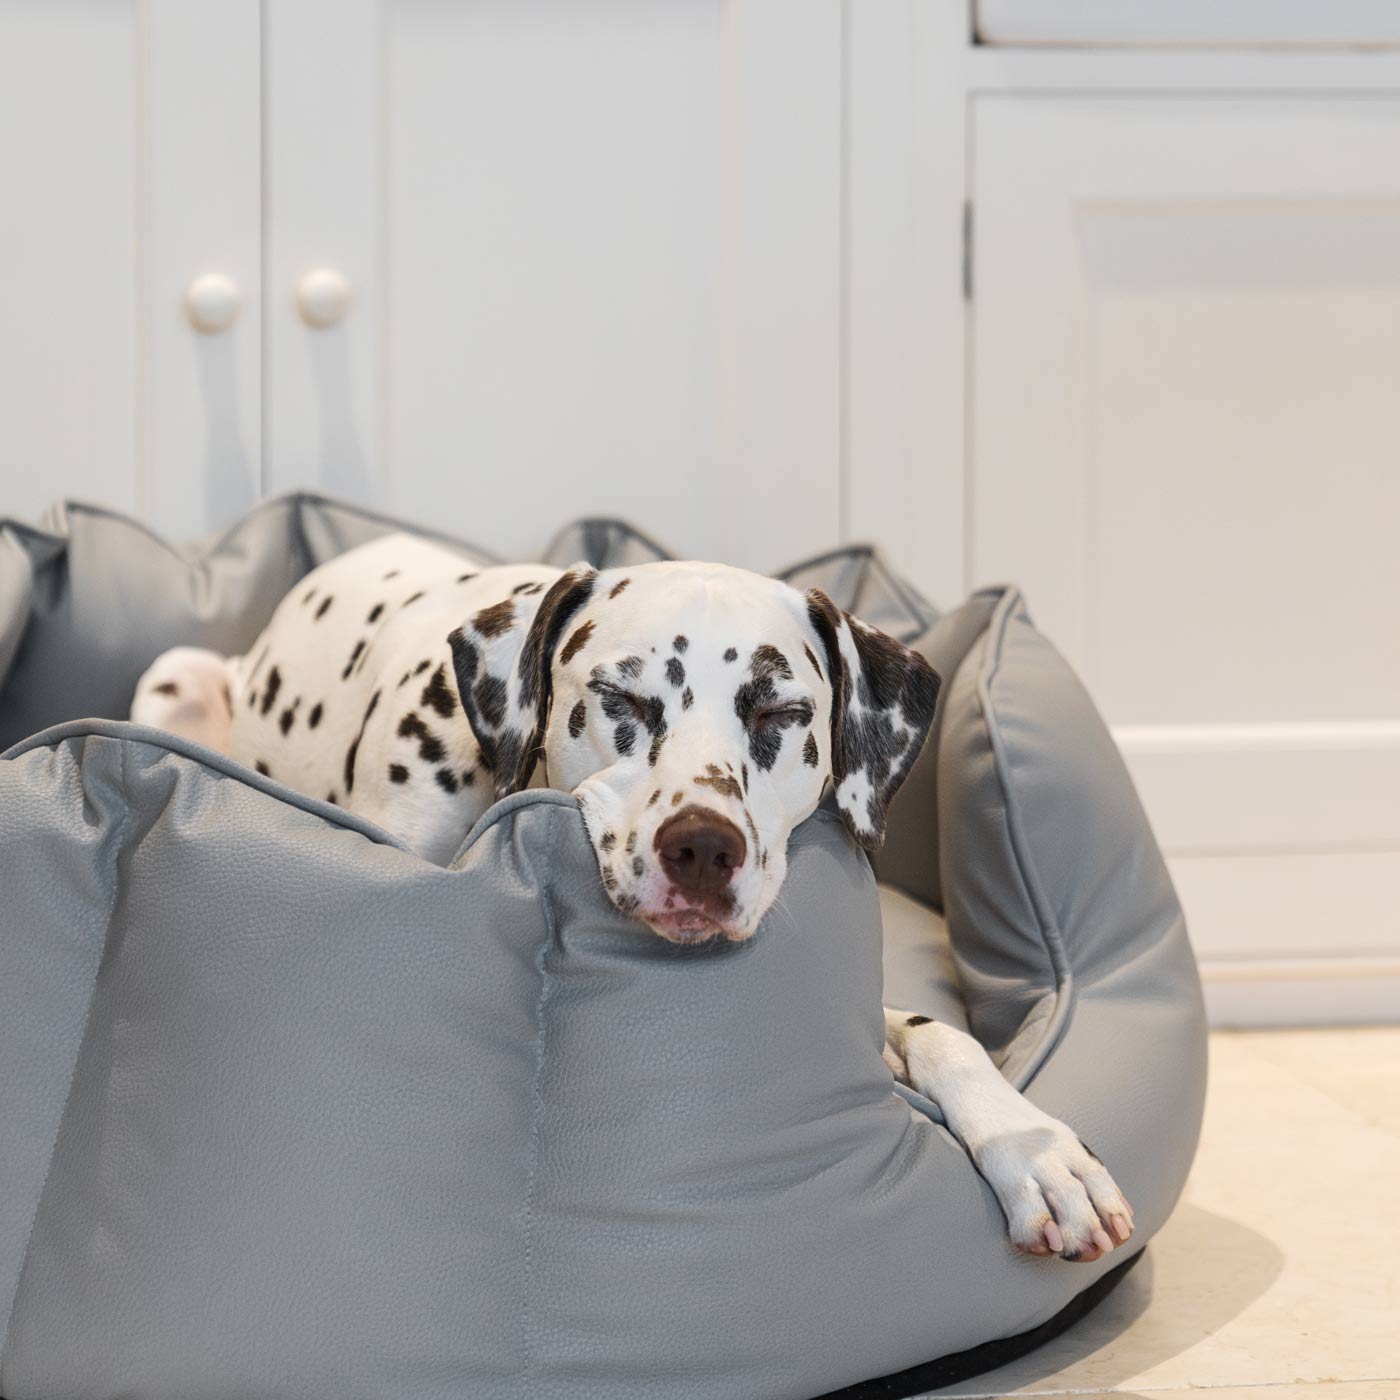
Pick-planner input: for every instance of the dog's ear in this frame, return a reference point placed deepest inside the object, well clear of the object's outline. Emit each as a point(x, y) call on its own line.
point(502, 657)
point(882, 701)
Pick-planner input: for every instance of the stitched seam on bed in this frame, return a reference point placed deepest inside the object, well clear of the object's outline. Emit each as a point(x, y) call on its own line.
point(1049, 930)
point(77, 1059)
point(536, 1113)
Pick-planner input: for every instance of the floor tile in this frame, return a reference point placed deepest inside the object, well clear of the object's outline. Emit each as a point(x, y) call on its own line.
point(1281, 1266)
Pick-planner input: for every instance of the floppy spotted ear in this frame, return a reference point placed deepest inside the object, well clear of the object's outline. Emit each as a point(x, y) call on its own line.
point(882, 701)
point(502, 657)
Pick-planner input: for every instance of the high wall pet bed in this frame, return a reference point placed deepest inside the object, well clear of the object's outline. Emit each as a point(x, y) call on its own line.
point(286, 1110)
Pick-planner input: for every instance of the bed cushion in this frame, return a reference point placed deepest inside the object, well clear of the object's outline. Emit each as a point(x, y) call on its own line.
point(291, 1110)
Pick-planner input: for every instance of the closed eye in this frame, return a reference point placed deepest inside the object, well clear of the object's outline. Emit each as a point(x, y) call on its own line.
point(615, 699)
point(799, 712)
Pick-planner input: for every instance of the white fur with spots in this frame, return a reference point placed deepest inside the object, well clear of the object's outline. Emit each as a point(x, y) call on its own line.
point(412, 688)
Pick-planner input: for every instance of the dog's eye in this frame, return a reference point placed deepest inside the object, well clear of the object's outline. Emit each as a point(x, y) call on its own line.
point(637, 705)
point(785, 714)
point(615, 700)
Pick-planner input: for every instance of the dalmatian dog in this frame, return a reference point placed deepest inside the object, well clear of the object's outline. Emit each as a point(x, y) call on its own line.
point(697, 712)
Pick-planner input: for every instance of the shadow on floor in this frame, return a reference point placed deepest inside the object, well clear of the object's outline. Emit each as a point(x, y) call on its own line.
point(1201, 1271)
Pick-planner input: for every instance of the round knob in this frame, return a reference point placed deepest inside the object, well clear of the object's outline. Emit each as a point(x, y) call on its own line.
point(323, 296)
point(212, 302)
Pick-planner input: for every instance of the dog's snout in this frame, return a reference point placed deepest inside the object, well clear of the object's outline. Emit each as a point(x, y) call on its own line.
point(700, 850)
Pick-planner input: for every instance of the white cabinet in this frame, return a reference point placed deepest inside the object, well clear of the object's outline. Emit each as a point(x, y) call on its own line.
point(1185, 442)
point(1114, 23)
point(128, 168)
point(595, 255)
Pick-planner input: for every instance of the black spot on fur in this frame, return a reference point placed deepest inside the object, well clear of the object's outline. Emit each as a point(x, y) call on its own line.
point(430, 748)
point(816, 665)
point(413, 599)
point(722, 783)
point(263, 768)
point(652, 800)
point(464, 578)
point(744, 775)
point(675, 672)
point(638, 867)
point(527, 589)
point(355, 746)
point(375, 613)
point(421, 667)
point(289, 717)
point(446, 780)
point(314, 718)
point(918, 1020)
point(631, 667)
point(490, 695)
point(330, 797)
point(810, 755)
point(625, 738)
point(655, 751)
point(680, 642)
point(618, 587)
point(274, 684)
point(687, 698)
point(438, 695)
point(609, 840)
point(167, 688)
point(577, 717)
point(677, 798)
point(354, 657)
point(732, 654)
point(307, 596)
point(393, 573)
point(769, 661)
point(468, 776)
point(576, 643)
point(398, 773)
point(324, 608)
point(632, 846)
point(492, 621)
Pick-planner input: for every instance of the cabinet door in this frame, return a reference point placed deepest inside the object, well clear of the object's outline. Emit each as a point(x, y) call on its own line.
point(1186, 426)
point(129, 167)
point(593, 251)
point(1220, 23)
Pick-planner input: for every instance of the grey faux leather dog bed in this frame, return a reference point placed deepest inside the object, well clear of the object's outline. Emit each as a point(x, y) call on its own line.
point(289, 1111)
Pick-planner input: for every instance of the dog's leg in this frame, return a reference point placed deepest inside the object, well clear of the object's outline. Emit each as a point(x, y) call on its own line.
point(186, 692)
point(1058, 1198)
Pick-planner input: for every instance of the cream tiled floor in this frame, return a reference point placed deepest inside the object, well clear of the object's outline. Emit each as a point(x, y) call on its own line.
point(1278, 1277)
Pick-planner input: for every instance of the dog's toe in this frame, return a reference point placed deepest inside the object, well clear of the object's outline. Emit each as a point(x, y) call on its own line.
point(1058, 1198)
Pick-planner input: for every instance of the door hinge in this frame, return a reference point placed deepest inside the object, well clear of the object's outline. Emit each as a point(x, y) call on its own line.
point(967, 250)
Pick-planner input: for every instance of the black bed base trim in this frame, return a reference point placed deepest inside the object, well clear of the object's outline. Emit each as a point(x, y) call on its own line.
point(963, 1365)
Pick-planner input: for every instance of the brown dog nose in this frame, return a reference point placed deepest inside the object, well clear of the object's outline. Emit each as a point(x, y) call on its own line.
point(700, 850)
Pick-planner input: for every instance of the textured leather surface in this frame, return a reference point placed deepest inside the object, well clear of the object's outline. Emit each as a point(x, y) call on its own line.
point(289, 1111)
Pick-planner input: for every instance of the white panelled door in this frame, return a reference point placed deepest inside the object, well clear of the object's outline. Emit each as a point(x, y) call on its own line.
point(1185, 441)
point(129, 170)
point(593, 255)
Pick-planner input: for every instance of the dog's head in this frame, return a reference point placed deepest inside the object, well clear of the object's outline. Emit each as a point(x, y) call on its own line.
point(697, 712)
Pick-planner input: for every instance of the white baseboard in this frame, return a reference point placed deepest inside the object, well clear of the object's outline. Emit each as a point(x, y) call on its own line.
point(1245, 993)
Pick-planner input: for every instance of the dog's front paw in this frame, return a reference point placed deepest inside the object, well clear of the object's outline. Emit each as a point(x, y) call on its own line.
point(1058, 1198)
